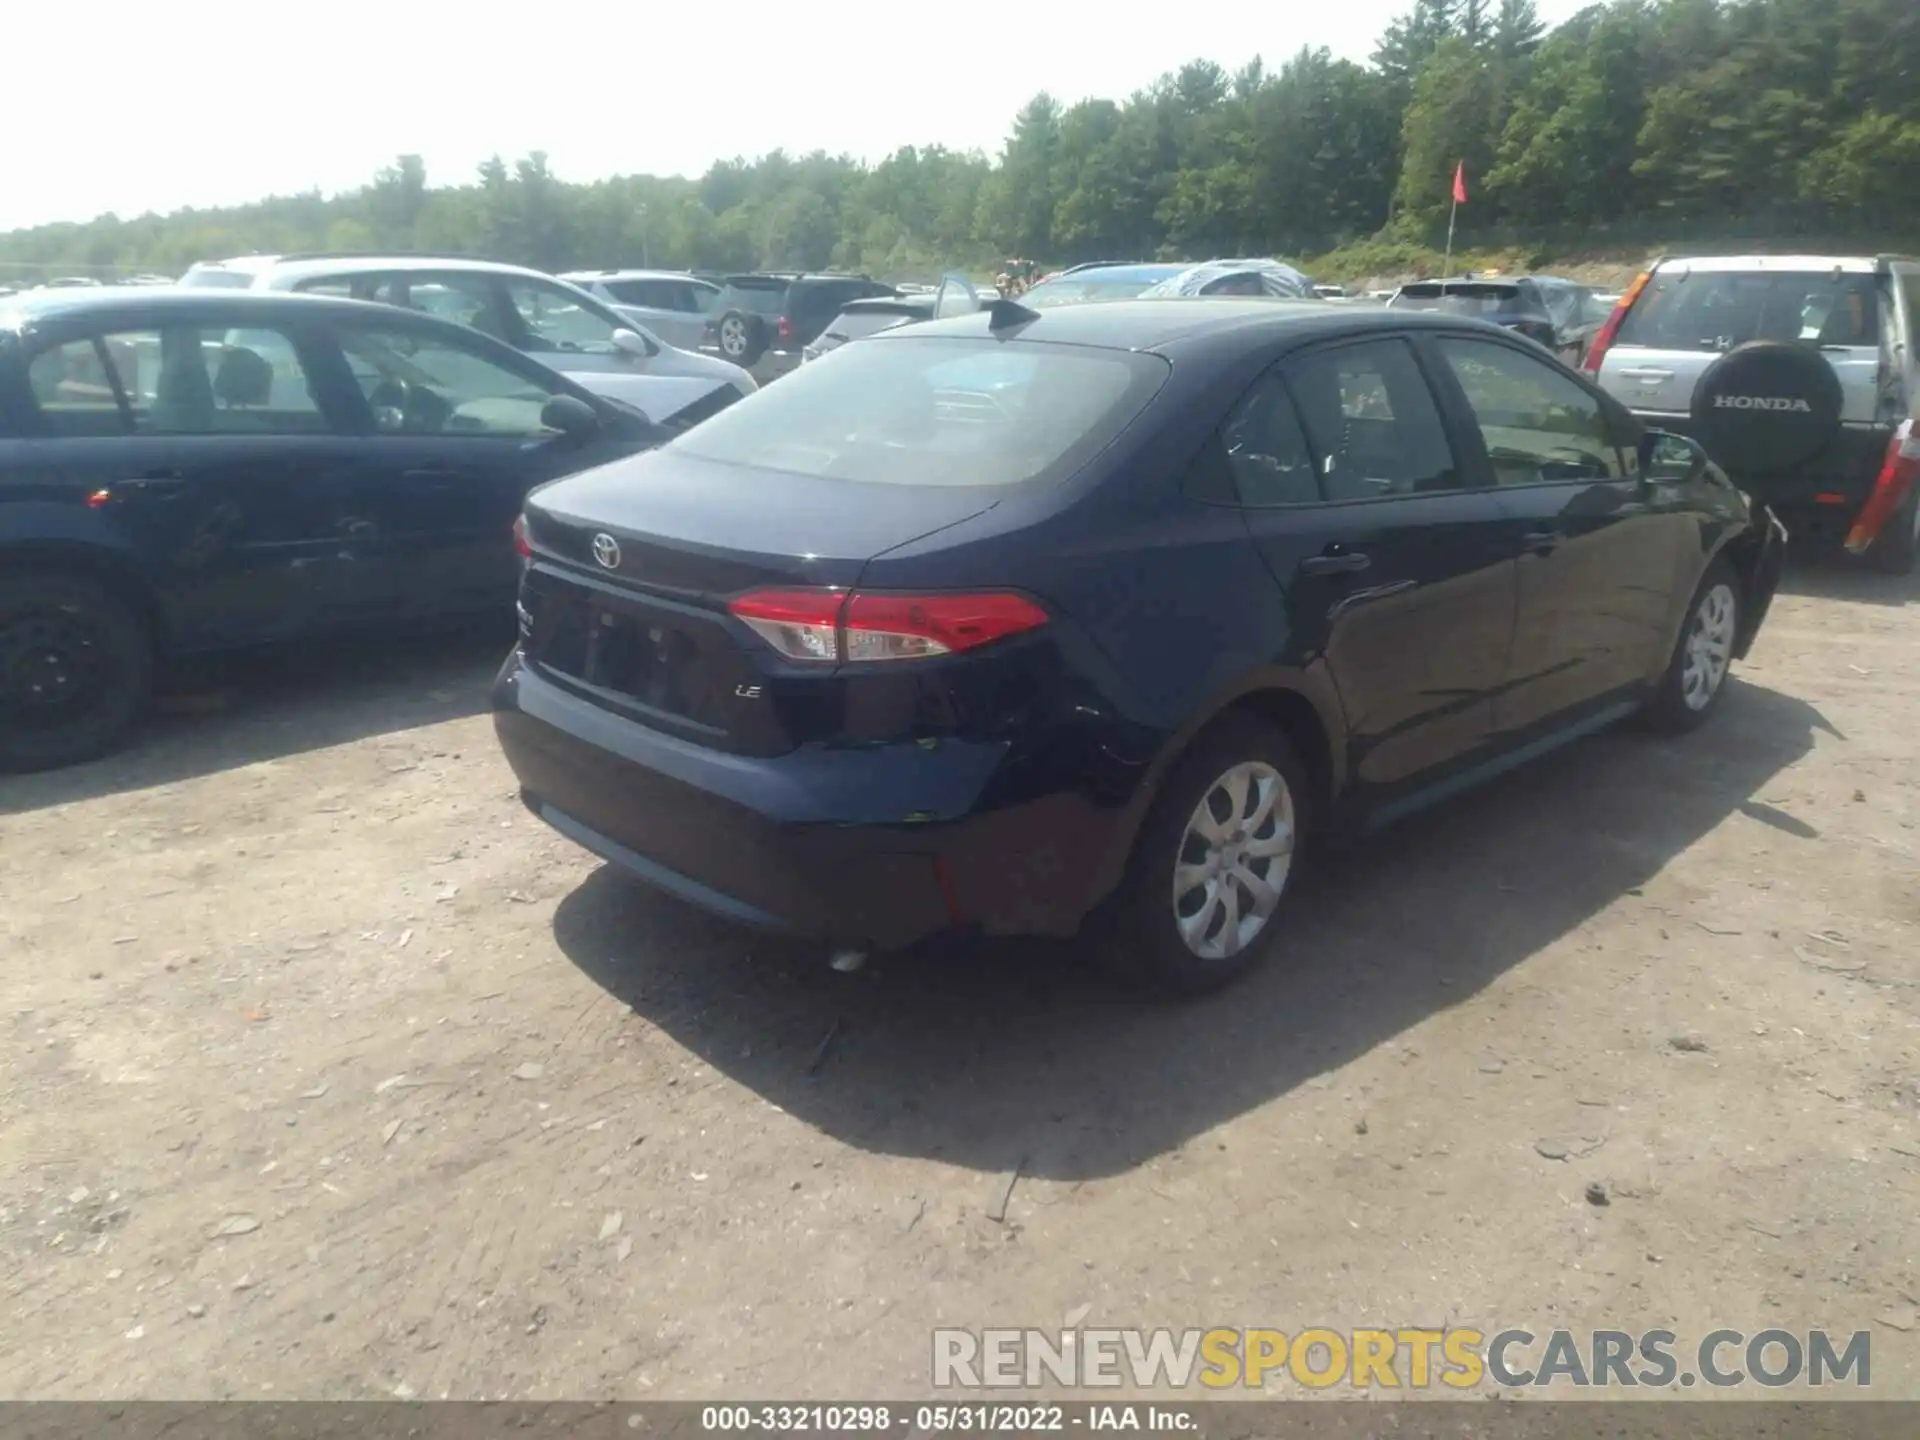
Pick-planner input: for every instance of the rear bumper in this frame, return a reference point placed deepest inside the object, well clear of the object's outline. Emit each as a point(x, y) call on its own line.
point(821, 843)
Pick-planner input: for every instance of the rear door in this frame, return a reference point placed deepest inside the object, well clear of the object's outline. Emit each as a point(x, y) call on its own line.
point(666, 307)
point(453, 443)
point(1598, 552)
point(1399, 575)
point(218, 457)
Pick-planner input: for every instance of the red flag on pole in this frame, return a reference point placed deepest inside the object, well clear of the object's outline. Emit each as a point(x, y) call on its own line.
point(1460, 183)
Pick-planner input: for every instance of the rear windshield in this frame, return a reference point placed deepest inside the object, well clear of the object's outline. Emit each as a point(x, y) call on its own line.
point(852, 324)
point(767, 297)
point(936, 411)
point(1467, 298)
point(1717, 310)
point(1116, 284)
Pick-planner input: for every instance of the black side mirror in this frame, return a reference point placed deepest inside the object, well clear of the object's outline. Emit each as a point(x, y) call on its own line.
point(1669, 459)
point(572, 417)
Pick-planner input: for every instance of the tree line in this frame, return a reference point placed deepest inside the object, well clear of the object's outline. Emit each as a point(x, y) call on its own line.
point(1636, 120)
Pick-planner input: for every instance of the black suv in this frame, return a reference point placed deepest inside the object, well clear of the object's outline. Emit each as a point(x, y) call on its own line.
point(780, 314)
point(1516, 305)
point(191, 470)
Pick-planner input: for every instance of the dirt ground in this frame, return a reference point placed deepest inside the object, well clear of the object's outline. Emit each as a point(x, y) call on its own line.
point(331, 1073)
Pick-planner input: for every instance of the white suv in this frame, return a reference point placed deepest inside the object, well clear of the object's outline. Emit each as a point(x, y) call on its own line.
point(670, 303)
point(1797, 373)
point(558, 324)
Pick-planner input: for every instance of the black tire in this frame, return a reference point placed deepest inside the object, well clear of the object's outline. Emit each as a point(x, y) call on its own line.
point(1144, 942)
point(67, 633)
point(742, 337)
point(1897, 547)
point(1675, 706)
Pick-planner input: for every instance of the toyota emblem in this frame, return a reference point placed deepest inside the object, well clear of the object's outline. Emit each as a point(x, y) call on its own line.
point(606, 550)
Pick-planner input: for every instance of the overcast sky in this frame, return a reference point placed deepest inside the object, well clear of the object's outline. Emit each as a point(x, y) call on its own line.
point(129, 106)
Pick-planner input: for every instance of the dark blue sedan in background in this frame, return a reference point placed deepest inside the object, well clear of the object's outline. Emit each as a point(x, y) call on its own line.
point(1110, 611)
point(185, 471)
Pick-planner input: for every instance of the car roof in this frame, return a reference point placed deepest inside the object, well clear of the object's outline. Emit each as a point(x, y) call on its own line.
point(1713, 264)
point(36, 307)
point(578, 275)
point(300, 266)
point(1166, 324)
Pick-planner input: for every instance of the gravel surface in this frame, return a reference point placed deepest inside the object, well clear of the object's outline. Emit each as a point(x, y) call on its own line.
point(330, 1073)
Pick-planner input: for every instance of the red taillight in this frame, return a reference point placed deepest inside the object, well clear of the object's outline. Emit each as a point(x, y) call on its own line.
point(1898, 475)
point(832, 627)
point(521, 546)
point(786, 328)
point(1610, 331)
point(800, 624)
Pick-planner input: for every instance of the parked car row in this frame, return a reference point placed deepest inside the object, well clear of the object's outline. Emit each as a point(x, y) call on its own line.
point(1020, 615)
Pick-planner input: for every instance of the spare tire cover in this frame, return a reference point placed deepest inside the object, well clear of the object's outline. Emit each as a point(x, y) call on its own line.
point(1767, 405)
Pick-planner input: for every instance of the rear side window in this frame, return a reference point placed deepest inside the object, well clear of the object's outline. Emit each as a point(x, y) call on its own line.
point(907, 411)
point(1371, 421)
point(1717, 310)
point(177, 380)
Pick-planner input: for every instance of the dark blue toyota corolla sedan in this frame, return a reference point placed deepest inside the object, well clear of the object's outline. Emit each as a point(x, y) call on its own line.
point(1019, 620)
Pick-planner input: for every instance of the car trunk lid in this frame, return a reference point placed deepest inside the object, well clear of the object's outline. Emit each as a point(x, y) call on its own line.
point(625, 596)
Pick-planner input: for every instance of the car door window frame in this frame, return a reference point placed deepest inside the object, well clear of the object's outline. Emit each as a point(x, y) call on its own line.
point(1463, 422)
point(1448, 422)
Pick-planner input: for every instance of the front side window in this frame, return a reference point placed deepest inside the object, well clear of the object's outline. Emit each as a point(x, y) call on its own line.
point(1371, 421)
point(906, 411)
point(419, 384)
point(1539, 426)
point(177, 380)
point(558, 319)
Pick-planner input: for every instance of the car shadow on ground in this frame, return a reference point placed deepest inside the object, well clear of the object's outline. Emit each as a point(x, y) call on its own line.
point(1841, 577)
point(989, 1054)
point(215, 715)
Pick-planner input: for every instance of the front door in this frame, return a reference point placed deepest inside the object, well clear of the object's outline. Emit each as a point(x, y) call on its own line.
point(1597, 549)
point(454, 442)
point(1395, 573)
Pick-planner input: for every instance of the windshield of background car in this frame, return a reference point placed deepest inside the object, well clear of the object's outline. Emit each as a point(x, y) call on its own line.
point(757, 299)
point(1122, 282)
point(936, 411)
point(852, 324)
point(1460, 299)
point(1717, 310)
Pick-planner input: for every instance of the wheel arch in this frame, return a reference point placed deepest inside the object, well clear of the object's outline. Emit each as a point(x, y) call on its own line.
point(1303, 704)
point(112, 569)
